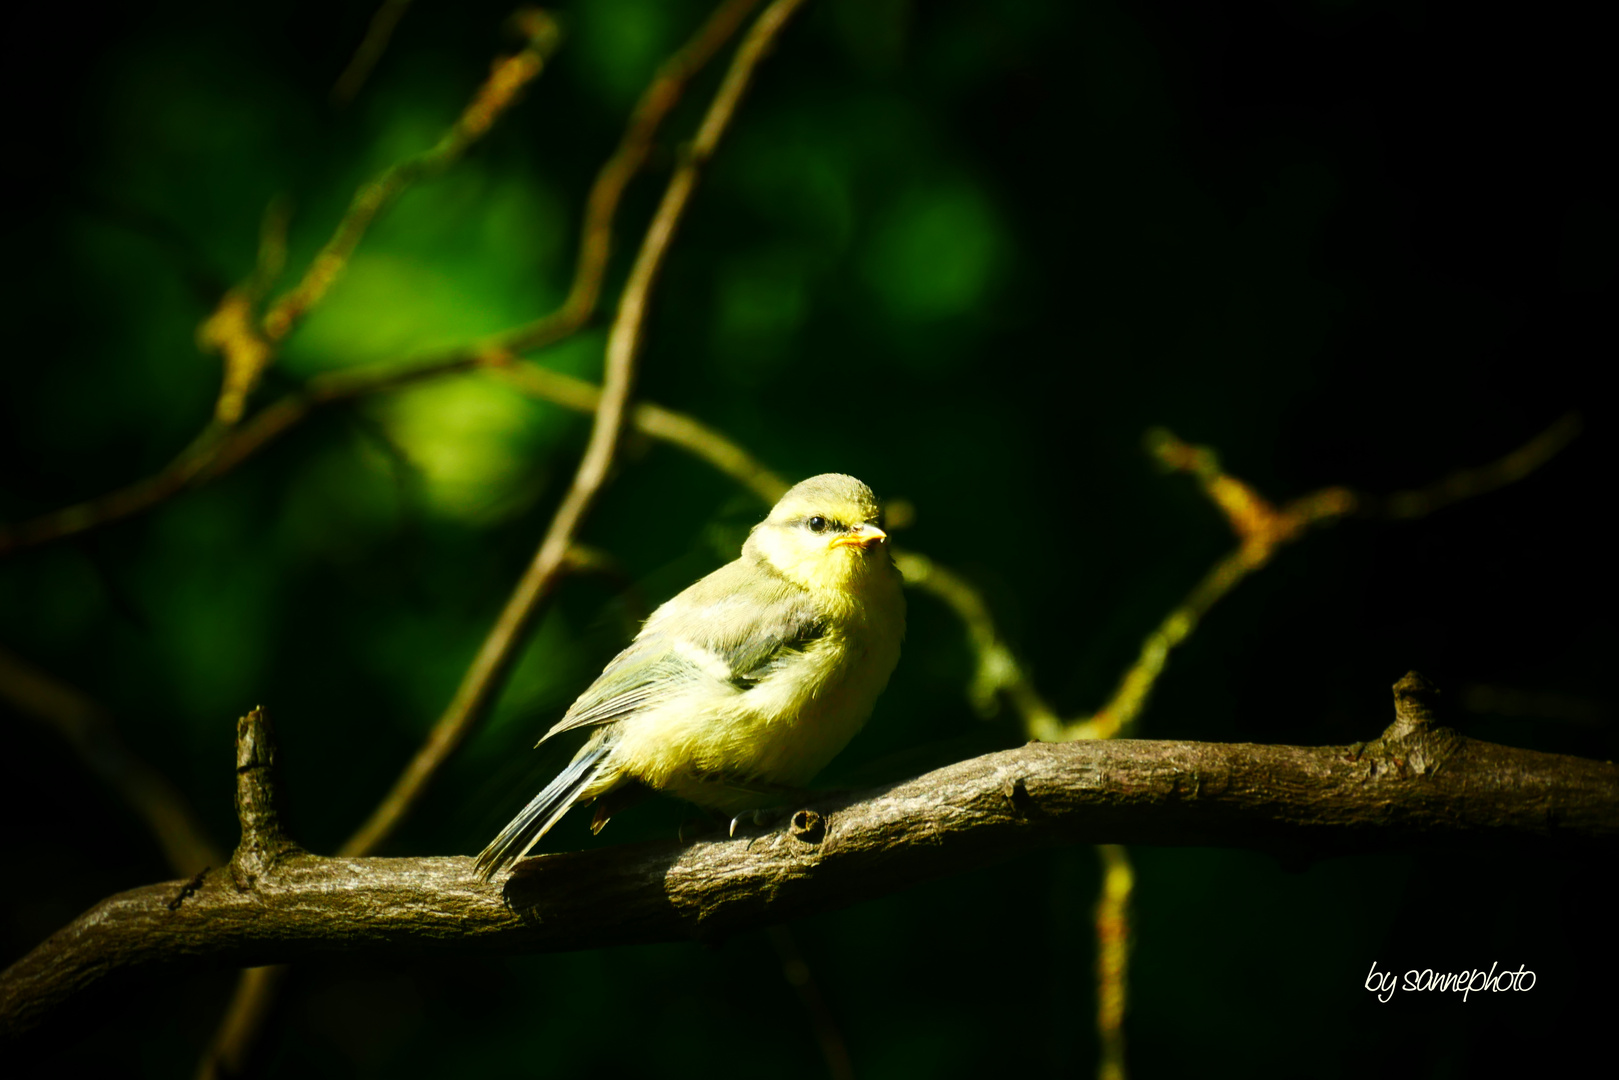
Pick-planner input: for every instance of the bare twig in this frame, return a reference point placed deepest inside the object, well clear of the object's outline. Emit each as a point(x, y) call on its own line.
point(89, 729)
point(1112, 957)
point(377, 35)
point(997, 672)
point(1468, 483)
point(236, 1039)
point(1420, 783)
point(834, 1050)
point(248, 345)
point(263, 850)
point(232, 332)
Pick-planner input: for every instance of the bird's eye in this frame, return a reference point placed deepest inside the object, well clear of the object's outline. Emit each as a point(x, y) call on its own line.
point(817, 523)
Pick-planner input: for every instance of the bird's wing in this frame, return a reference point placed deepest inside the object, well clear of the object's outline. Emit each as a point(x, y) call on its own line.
point(642, 675)
point(735, 626)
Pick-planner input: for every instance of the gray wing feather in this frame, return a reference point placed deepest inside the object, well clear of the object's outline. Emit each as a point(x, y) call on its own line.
point(643, 674)
point(745, 616)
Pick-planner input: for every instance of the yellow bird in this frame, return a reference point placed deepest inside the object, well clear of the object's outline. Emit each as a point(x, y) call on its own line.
point(740, 689)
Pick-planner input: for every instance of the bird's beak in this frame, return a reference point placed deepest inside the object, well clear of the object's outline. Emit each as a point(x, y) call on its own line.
point(861, 536)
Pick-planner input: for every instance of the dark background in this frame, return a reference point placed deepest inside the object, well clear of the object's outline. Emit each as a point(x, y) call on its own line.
point(967, 252)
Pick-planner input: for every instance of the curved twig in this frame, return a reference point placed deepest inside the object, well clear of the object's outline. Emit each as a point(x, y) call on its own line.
point(596, 236)
point(378, 32)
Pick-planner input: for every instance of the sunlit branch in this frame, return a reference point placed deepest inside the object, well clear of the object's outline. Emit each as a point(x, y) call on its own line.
point(1261, 529)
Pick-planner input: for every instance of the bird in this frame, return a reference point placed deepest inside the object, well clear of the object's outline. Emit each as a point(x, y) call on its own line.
point(742, 687)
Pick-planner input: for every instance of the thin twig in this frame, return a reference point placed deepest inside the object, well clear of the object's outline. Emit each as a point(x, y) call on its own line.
point(677, 429)
point(232, 330)
point(834, 1050)
point(997, 672)
point(1469, 483)
point(596, 235)
point(1112, 957)
point(89, 729)
point(236, 1039)
point(377, 35)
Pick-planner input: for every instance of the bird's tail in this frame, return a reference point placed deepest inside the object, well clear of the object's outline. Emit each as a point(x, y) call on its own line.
point(544, 811)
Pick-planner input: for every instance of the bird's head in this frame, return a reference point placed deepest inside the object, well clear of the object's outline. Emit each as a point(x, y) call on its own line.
point(824, 534)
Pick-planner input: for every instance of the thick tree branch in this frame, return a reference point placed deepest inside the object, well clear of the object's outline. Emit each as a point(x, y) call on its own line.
point(1420, 783)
